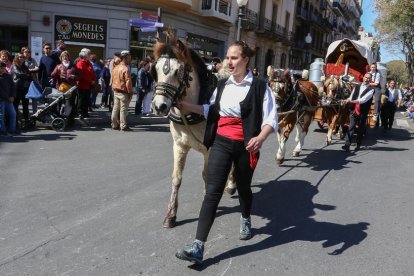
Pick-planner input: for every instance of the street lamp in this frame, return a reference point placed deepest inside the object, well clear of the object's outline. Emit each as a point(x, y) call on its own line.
point(241, 4)
point(308, 41)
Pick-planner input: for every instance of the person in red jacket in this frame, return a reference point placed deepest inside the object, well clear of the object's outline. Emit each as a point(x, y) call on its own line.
point(87, 79)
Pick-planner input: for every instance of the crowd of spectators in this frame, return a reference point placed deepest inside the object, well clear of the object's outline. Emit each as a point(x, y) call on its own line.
point(57, 69)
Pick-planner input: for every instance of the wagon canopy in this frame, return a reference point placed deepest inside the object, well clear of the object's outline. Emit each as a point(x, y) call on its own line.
point(356, 53)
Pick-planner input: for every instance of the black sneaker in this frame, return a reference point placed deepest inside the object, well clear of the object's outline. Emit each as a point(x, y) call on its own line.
point(245, 229)
point(346, 147)
point(192, 253)
point(126, 129)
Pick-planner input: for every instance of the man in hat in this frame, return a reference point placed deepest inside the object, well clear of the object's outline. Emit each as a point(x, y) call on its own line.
point(7, 94)
point(122, 88)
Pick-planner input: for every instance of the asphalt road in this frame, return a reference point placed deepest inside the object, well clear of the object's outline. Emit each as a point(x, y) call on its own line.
point(91, 202)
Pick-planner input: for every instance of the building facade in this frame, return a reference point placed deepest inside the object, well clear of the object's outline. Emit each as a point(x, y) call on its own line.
point(275, 28)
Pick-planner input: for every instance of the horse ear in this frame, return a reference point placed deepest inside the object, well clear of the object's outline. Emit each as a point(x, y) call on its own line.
point(181, 46)
point(269, 70)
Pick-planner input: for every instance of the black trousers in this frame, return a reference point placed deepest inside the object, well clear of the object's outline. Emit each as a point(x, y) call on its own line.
point(358, 125)
point(387, 114)
point(83, 102)
point(138, 103)
point(223, 153)
point(21, 97)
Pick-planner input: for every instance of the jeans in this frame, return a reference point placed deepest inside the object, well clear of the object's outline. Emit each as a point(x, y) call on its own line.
point(7, 108)
point(223, 153)
point(138, 103)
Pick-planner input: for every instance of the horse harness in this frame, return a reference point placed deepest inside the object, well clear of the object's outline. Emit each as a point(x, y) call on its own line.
point(174, 93)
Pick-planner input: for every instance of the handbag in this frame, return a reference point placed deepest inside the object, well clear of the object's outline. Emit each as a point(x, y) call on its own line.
point(64, 86)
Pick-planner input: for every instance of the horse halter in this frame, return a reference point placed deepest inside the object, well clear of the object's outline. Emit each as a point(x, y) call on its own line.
point(169, 90)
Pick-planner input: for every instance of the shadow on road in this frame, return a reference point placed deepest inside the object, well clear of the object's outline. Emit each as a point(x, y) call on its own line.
point(28, 136)
point(288, 206)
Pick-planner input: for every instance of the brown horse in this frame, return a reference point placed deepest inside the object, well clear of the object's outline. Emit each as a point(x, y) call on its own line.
point(181, 74)
point(297, 105)
point(335, 90)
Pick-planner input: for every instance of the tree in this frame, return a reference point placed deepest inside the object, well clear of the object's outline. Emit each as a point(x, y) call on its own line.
point(397, 72)
point(395, 28)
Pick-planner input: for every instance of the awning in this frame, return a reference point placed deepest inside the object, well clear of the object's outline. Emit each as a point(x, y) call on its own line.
point(144, 23)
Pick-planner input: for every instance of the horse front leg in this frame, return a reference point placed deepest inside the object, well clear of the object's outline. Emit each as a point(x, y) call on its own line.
point(282, 137)
point(301, 132)
point(331, 128)
point(180, 156)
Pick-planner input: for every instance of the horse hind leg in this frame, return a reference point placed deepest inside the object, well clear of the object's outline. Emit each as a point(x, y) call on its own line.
point(180, 156)
point(231, 182)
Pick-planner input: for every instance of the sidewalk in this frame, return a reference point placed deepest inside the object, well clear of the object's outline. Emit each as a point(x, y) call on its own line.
point(101, 117)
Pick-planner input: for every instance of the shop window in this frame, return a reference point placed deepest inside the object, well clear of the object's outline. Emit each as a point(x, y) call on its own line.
point(13, 38)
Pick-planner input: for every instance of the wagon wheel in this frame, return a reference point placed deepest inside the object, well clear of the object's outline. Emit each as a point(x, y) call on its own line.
point(58, 124)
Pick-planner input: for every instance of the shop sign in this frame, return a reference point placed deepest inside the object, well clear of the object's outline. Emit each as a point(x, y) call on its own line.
point(80, 29)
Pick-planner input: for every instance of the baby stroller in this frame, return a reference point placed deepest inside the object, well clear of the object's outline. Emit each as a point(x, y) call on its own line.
point(57, 108)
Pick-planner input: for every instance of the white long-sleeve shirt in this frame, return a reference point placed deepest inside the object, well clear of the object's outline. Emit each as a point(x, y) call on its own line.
point(364, 98)
point(391, 95)
point(234, 93)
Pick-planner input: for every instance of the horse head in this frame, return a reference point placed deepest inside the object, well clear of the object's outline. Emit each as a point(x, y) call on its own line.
point(280, 83)
point(331, 87)
point(172, 72)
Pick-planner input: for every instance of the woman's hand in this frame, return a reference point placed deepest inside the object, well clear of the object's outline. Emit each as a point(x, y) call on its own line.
point(255, 144)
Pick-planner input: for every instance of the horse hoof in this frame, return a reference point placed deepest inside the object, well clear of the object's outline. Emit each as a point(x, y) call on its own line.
point(230, 191)
point(279, 162)
point(169, 222)
point(295, 154)
point(327, 142)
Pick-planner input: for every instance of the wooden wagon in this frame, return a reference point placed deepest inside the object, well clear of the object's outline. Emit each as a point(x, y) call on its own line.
point(347, 57)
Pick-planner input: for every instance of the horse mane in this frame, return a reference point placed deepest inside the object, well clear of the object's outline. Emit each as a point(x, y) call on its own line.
point(179, 50)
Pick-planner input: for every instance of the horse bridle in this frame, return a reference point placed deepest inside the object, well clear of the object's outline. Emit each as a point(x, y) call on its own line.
point(169, 90)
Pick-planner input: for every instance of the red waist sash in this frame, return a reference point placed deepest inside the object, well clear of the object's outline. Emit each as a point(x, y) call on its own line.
point(231, 127)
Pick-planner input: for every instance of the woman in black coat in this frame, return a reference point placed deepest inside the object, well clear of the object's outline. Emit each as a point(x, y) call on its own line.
point(22, 78)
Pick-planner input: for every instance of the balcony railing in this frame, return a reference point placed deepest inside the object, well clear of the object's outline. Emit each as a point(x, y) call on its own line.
point(302, 13)
point(251, 20)
point(338, 7)
point(324, 5)
point(220, 9)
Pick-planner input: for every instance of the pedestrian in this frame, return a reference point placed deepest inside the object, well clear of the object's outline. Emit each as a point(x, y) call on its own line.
point(7, 95)
point(149, 95)
point(86, 81)
point(33, 67)
point(116, 60)
point(106, 77)
point(65, 76)
point(255, 72)
point(5, 57)
point(376, 84)
point(361, 97)
point(60, 47)
point(240, 116)
point(46, 66)
point(21, 78)
point(97, 69)
point(143, 85)
point(392, 102)
point(122, 87)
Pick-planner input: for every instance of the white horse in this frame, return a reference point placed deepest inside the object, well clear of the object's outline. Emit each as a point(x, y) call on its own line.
point(181, 74)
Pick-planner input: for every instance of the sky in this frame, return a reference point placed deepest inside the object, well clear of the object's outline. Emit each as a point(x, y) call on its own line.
point(368, 17)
